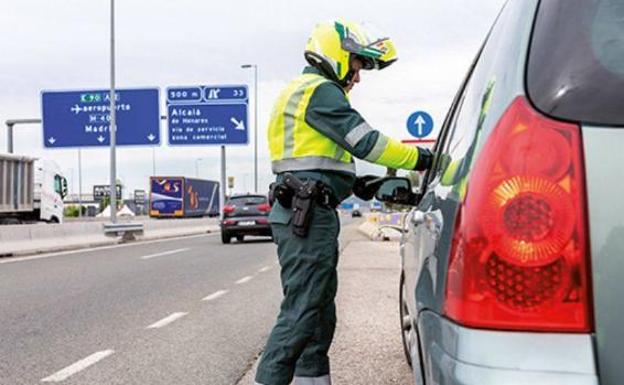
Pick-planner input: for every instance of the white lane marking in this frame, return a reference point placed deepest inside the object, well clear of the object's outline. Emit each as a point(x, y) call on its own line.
point(74, 368)
point(167, 320)
point(266, 268)
point(87, 250)
point(215, 295)
point(164, 253)
point(244, 279)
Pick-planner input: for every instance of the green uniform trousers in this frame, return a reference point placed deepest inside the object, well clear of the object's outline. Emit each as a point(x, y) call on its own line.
point(301, 338)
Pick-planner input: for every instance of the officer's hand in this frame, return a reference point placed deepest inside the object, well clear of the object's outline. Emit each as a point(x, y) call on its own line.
point(366, 186)
point(425, 159)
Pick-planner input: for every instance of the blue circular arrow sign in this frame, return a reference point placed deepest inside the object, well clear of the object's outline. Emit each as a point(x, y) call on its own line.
point(420, 124)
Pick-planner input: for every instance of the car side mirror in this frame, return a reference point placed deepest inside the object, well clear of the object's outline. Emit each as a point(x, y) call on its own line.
point(396, 190)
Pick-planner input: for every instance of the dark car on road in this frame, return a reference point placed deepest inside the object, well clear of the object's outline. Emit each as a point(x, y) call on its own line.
point(513, 255)
point(245, 215)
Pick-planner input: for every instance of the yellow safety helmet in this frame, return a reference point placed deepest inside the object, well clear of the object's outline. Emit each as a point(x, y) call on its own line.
point(332, 45)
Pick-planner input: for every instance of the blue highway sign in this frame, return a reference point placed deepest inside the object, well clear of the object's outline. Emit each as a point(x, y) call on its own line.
point(207, 115)
point(420, 124)
point(82, 118)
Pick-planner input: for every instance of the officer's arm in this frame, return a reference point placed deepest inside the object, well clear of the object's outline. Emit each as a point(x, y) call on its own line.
point(330, 113)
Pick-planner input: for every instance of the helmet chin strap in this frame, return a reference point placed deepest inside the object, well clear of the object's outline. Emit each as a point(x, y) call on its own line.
point(347, 80)
point(349, 76)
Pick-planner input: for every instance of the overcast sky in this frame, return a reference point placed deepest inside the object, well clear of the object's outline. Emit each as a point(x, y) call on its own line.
point(64, 44)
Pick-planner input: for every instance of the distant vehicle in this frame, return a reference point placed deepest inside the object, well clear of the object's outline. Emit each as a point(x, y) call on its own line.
point(180, 197)
point(375, 206)
point(356, 213)
point(245, 215)
point(31, 190)
point(512, 258)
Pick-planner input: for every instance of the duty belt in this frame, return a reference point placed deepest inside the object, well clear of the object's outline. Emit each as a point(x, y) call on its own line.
point(325, 196)
point(284, 194)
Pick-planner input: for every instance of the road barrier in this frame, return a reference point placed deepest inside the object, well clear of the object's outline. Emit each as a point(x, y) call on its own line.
point(38, 238)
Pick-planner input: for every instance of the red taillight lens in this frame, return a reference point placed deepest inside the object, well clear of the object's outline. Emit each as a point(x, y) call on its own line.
point(228, 209)
point(262, 221)
point(229, 222)
point(265, 208)
point(519, 256)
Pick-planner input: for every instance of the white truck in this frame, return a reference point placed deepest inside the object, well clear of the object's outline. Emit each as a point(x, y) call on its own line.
point(31, 190)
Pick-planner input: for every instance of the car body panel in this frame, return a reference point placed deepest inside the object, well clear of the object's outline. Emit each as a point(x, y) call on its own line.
point(604, 161)
point(447, 353)
point(451, 354)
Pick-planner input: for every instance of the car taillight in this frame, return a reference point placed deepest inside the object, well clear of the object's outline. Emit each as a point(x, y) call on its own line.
point(262, 221)
point(519, 258)
point(228, 209)
point(265, 208)
point(229, 222)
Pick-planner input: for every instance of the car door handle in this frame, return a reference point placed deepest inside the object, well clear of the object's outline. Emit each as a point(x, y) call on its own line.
point(418, 218)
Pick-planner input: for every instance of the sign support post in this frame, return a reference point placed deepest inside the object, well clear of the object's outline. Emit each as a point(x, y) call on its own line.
point(79, 183)
point(12, 122)
point(126, 230)
point(153, 162)
point(112, 127)
point(223, 185)
point(10, 137)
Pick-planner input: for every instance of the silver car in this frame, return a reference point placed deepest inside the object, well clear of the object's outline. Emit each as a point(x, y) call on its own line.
point(513, 255)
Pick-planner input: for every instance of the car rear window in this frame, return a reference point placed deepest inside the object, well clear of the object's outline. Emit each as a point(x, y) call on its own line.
point(576, 63)
point(247, 200)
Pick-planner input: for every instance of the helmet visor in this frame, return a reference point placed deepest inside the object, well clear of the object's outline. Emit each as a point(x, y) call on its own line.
point(367, 44)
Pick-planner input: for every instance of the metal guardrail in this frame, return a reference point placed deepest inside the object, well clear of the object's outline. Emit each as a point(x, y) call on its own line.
point(127, 231)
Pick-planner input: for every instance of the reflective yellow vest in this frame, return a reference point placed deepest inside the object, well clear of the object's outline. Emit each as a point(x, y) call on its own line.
point(295, 145)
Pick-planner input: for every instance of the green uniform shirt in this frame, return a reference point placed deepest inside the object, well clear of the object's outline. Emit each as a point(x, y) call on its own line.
point(330, 112)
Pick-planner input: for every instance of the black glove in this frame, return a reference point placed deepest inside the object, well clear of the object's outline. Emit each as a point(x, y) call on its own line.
point(366, 186)
point(425, 159)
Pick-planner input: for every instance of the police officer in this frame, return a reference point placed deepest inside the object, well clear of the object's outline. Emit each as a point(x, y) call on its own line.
point(313, 134)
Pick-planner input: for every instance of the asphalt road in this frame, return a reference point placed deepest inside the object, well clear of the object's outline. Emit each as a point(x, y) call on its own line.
point(182, 311)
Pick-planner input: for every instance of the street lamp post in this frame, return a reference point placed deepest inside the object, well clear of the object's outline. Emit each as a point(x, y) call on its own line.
point(112, 127)
point(72, 190)
point(255, 67)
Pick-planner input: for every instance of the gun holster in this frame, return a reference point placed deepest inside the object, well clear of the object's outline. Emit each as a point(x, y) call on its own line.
point(282, 194)
point(293, 193)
